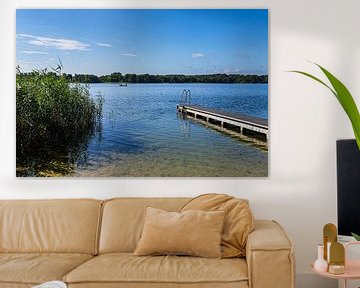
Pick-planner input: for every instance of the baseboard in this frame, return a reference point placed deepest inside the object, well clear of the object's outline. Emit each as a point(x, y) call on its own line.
point(310, 280)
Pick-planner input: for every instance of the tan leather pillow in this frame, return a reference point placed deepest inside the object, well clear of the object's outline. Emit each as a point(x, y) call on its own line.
point(196, 233)
point(238, 224)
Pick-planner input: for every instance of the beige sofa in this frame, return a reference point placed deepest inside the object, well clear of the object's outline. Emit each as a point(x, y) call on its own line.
point(89, 243)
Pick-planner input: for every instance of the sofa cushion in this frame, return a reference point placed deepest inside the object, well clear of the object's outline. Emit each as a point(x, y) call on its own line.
point(239, 220)
point(126, 268)
point(63, 226)
point(194, 232)
point(242, 284)
point(123, 220)
point(36, 268)
point(15, 285)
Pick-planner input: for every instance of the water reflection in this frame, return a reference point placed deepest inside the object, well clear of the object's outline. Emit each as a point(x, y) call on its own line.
point(184, 124)
point(59, 158)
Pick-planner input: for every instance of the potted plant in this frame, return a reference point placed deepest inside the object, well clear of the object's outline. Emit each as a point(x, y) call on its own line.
point(345, 99)
point(357, 237)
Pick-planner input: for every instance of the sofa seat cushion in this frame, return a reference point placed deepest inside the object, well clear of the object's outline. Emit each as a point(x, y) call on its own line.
point(36, 268)
point(127, 268)
point(15, 285)
point(242, 284)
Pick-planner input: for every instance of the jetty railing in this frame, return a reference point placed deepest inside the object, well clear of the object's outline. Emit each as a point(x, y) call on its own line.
point(185, 98)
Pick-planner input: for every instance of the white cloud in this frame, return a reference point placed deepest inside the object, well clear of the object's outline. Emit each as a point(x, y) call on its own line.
point(34, 52)
point(197, 55)
point(27, 62)
point(128, 55)
point(56, 43)
point(23, 35)
point(103, 44)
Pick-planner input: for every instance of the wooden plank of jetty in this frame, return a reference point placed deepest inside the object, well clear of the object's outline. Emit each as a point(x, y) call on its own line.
point(246, 124)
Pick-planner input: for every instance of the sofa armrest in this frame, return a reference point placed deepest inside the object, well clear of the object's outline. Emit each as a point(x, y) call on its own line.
point(269, 256)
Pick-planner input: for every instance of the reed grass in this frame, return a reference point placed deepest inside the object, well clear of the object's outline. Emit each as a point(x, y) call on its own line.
point(51, 112)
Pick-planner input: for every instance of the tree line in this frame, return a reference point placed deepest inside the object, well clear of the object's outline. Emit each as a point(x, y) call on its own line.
point(172, 78)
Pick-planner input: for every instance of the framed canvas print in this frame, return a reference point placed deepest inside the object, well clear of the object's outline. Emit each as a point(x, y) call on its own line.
point(142, 92)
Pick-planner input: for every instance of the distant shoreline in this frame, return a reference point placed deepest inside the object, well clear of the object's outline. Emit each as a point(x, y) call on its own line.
point(119, 83)
point(118, 77)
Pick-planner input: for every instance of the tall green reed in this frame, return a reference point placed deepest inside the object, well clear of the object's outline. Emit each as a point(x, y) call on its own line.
point(52, 113)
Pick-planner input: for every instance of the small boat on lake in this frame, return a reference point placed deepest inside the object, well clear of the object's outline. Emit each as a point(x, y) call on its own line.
point(123, 84)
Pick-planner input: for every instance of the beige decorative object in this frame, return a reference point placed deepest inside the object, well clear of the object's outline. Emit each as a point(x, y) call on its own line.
point(239, 220)
point(336, 269)
point(195, 232)
point(329, 236)
point(337, 254)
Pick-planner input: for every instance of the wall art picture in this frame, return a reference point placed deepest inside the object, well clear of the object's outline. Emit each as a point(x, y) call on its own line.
point(142, 93)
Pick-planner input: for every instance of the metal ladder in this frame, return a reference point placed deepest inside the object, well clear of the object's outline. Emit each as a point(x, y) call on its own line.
point(185, 98)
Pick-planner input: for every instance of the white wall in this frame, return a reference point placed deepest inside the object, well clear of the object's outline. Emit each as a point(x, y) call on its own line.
point(305, 120)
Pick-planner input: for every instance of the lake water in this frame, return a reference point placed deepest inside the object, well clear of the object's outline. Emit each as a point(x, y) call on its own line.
point(142, 135)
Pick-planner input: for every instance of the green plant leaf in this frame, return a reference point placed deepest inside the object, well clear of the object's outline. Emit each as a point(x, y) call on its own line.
point(316, 79)
point(347, 102)
point(356, 236)
point(344, 97)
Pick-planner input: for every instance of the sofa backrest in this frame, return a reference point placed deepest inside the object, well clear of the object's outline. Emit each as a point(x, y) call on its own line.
point(67, 226)
point(123, 220)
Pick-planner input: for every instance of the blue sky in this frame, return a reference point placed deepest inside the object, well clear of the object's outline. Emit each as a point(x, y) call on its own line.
point(144, 41)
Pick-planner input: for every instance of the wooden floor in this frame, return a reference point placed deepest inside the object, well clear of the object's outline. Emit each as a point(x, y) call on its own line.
point(246, 123)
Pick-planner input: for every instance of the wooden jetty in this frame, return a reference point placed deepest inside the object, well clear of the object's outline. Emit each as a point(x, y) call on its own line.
point(244, 124)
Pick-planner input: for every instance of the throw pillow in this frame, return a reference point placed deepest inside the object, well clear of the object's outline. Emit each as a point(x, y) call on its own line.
point(196, 233)
point(238, 224)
